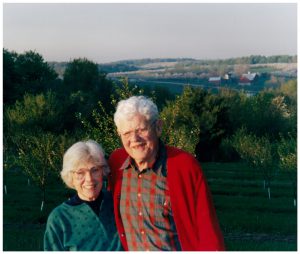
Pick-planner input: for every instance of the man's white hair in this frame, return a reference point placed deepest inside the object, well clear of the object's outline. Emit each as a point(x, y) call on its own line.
point(127, 109)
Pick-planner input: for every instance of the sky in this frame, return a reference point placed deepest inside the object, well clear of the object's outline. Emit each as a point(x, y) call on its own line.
point(107, 32)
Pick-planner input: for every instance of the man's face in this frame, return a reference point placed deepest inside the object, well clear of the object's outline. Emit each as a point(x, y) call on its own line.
point(140, 138)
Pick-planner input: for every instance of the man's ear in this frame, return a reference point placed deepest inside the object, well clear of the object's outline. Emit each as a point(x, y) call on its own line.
point(158, 126)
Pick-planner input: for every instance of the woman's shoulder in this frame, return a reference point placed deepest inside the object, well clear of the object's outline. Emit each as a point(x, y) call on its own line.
point(59, 210)
point(56, 215)
point(62, 211)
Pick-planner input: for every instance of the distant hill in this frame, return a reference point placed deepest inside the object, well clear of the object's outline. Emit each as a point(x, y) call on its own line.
point(189, 64)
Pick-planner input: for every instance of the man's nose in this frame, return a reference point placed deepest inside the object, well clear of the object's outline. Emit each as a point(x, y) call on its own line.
point(135, 136)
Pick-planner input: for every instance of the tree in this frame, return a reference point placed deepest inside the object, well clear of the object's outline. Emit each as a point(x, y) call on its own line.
point(100, 126)
point(31, 129)
point(10, 77)
point(196, 121)
point(8, 159)
point(124, 90)
point(159, 94)
point(264, 114)
point(288, 94)
point(181, 125)
point(85, 85)
point(40, 156)
point(33, 70)
point(42, 111)
point(25, 73)
point(287, 151)
point(259, 153)
point(214, 125)
point(82, 75)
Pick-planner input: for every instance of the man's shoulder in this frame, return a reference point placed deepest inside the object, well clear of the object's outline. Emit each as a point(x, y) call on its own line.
point(179, 154)
point(181, 162)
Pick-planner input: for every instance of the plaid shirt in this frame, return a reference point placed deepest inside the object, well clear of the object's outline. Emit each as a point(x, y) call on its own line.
point(145, 207)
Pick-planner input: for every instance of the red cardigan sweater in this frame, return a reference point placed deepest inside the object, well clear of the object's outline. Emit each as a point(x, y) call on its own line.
point(191, 202)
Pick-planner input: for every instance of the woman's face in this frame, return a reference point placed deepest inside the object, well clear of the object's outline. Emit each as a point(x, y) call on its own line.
point(88, 179)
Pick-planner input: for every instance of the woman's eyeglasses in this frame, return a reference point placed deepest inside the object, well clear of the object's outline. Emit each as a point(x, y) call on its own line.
point(95, 172)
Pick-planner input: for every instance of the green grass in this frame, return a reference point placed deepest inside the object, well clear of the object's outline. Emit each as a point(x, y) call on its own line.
point(22, 203)
point(23, 220)
point(244, 245)
point(242, 206)
point(255, 222)
point(23, 239)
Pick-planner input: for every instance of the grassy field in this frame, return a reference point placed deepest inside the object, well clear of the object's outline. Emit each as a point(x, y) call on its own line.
point(249, 220)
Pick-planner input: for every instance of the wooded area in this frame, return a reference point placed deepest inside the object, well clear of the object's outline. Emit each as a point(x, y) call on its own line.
point(43, 115)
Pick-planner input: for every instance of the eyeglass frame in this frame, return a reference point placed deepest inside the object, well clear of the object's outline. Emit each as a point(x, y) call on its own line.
point(138, 131)
point(97, 170)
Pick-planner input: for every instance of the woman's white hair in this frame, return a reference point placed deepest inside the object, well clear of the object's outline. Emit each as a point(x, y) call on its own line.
point(127, 109)
point(80, 153)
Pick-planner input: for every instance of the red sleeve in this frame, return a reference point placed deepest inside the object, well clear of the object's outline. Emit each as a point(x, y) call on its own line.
point(209, 233)
point(194, 213)
point(115, 161)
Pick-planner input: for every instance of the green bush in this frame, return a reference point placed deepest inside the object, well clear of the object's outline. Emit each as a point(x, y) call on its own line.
point(42, 111)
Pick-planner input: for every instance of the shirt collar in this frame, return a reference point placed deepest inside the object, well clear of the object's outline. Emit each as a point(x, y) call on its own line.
point(76, 200)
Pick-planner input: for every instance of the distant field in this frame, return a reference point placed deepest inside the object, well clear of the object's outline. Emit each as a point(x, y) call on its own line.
point(152, 69)
point(249, 220)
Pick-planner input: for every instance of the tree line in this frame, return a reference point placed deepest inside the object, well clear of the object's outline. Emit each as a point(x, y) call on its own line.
point(43, 115)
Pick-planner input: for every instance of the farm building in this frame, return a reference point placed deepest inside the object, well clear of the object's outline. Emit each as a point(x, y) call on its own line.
point(215, 80)
point(248, 79)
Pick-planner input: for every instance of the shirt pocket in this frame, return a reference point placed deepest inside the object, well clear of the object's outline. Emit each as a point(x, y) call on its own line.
point(163, 211)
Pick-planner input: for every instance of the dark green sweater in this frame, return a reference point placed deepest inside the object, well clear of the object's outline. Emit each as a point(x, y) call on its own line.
point(74, 226)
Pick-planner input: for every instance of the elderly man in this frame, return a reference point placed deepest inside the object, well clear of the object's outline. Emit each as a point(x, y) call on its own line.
point(161, 198)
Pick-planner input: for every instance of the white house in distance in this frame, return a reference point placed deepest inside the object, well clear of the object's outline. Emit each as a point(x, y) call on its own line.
point(215, 80)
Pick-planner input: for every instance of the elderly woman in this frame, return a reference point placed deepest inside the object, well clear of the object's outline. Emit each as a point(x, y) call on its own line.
point(86, 221)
